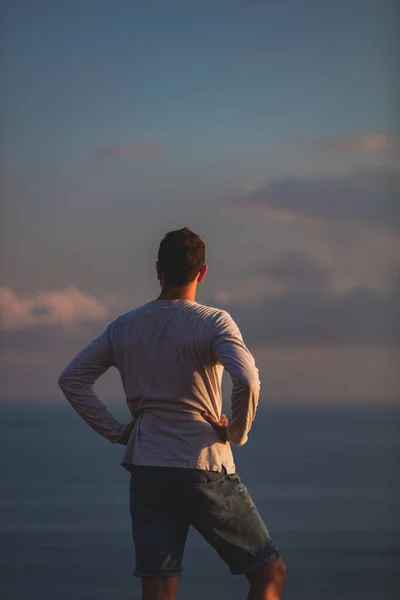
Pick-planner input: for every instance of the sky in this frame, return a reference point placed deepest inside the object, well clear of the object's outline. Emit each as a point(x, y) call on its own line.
point(268, 128)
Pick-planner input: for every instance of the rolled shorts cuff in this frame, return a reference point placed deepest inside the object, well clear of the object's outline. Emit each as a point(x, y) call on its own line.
point(158, 573)
point(259, 564)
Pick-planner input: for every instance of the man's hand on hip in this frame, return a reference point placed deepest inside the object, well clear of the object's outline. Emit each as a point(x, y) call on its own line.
point(219, 426)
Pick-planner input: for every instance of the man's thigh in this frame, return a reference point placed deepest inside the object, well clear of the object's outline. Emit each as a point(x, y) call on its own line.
point(159, 531)
point(222, 510)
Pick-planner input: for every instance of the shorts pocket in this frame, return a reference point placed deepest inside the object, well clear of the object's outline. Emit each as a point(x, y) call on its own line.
point(239, 492)
point(210, 502)
point(203, 477)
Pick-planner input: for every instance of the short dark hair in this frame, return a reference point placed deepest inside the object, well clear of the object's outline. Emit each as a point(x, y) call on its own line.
point(181, 256)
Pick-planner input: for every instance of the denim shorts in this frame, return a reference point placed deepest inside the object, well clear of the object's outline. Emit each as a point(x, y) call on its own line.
point(166, 501)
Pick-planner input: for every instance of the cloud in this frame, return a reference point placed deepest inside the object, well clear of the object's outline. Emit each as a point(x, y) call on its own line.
point(298, 335)
point(362, 196)
point(69, 307)
point(303, 312)
point(296, 273)
point(361, 316)
point(374, 143)
point(138, 150)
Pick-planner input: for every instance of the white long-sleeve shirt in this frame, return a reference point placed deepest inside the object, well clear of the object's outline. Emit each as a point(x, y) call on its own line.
point(170, 355)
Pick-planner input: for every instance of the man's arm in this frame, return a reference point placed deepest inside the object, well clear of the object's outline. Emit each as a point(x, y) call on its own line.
point(77, 380)
point(231, 351)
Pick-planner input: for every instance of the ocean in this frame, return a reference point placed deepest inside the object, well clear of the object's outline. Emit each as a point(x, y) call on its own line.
point(324, 478)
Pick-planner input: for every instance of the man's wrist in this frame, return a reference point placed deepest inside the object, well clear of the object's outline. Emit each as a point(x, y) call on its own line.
point(224, 431)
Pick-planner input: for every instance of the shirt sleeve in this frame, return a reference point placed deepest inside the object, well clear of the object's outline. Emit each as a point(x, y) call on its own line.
point(231, 352)
point(77, 380)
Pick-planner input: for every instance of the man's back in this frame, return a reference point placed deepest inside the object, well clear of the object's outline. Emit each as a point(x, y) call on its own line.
point(164, 354)
point(165, 357)
point(171, 355)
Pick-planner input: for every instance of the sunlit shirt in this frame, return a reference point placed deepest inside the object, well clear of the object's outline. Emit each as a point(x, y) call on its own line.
point(170, 355)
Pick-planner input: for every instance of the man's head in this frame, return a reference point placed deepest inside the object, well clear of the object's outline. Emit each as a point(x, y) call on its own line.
point(181, 258)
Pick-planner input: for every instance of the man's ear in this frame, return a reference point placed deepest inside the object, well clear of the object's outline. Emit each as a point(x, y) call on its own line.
point(202, 273)
point(158, 268)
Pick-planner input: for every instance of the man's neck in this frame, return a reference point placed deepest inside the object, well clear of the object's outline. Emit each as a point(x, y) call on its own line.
point(178, 293)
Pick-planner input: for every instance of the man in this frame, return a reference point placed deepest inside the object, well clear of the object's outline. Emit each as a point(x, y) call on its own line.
point(171, 354)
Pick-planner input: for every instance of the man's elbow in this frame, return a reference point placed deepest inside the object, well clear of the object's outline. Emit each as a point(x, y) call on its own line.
point(63, 381)
point(238, 438)
point(239, 441)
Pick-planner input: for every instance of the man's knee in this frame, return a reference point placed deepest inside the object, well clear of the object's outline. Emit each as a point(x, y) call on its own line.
point(274, 572)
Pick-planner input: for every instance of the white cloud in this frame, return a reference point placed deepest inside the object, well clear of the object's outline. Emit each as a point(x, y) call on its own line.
point(67, 307)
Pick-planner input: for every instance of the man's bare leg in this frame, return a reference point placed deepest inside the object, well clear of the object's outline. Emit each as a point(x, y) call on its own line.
point(267, 583)
point(159, 588)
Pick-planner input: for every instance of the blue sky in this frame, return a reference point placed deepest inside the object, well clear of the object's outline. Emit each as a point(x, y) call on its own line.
point(207, 74)
point(122, 120)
